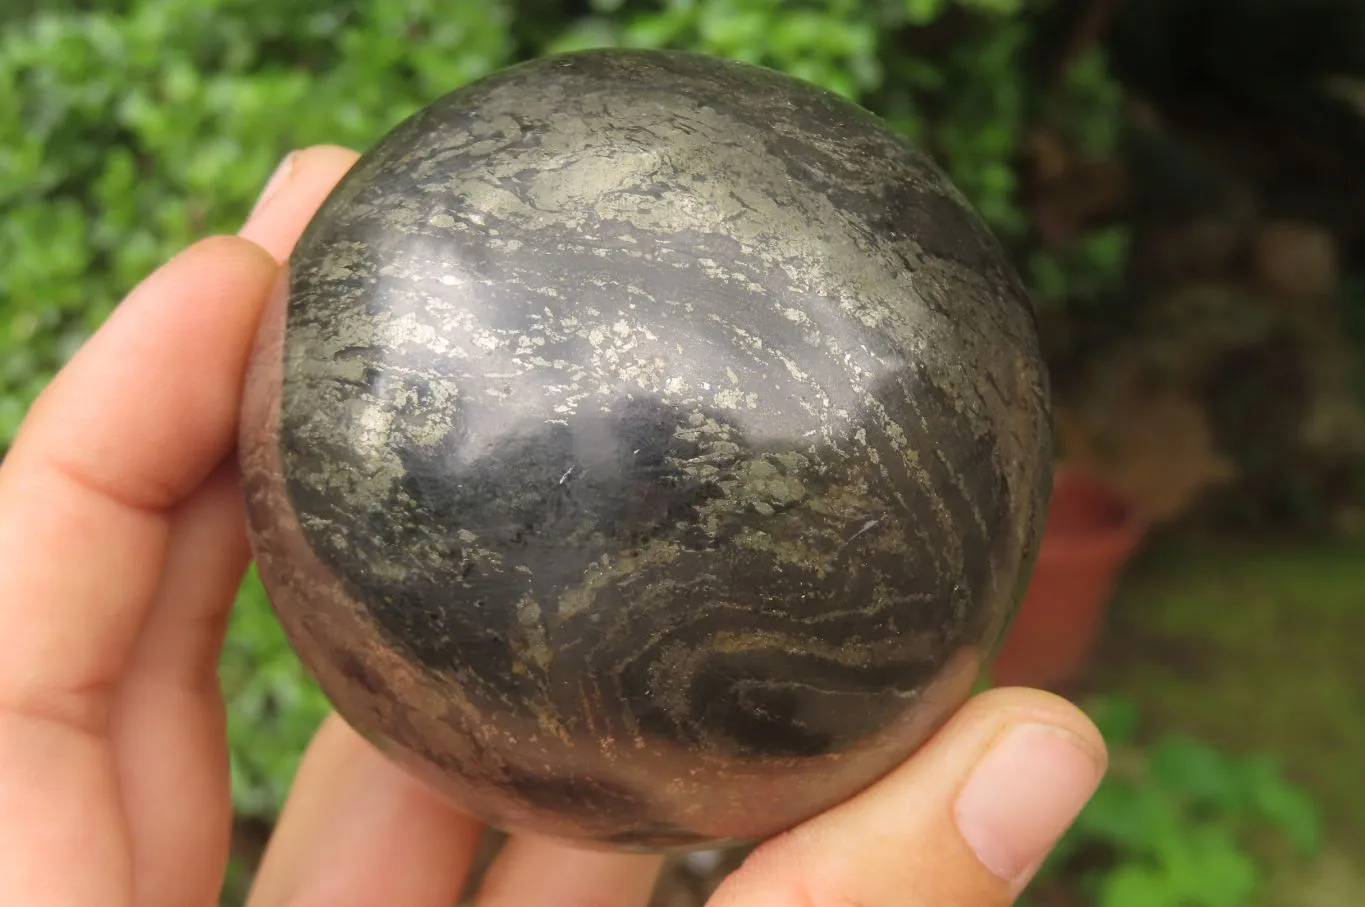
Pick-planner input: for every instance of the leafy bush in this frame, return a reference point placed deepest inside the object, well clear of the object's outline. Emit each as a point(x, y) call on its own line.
point(130, 128)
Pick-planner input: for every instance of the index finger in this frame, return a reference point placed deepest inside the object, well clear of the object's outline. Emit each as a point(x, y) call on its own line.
point(138, 419)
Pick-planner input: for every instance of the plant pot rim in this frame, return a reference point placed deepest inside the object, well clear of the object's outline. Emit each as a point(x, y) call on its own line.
point(1089, 518)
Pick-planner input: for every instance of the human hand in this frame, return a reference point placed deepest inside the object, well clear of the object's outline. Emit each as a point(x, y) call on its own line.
point(121, 546)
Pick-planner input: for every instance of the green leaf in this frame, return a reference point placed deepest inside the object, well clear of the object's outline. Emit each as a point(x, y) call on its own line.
point(1283, 804)
point(1132, 818)
point(1193, 770)
point(1135, 885)
point(923, 12)
point(1207, 867)
point(1117, 718)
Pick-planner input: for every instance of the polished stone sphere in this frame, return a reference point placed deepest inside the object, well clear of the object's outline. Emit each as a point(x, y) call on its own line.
point(648, 449)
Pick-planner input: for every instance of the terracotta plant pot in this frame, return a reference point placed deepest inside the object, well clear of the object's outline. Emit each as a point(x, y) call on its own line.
point(1090, 536)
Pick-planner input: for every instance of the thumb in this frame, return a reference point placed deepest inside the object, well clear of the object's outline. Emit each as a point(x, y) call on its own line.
point(966, 821)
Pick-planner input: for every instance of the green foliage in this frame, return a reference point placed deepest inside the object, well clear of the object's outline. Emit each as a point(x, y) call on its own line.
point(1083, 272)
point(979, 116)
point(1085, 108)
point(1178, 823)
point(273, 706)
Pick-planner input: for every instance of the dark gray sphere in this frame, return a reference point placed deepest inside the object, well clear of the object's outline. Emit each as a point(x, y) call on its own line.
point(649, 451)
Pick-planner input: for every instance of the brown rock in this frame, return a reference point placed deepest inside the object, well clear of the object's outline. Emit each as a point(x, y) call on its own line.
point(1155, 446)
point(1088, 194)
point(1204, 248)
point(1048, 153)
point(1335, 424)
point(1295, 260)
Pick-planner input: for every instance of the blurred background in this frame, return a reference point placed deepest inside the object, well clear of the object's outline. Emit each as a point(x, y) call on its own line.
point(1182, 184)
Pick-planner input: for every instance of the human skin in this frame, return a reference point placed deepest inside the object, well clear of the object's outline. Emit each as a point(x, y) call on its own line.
point(122, 544)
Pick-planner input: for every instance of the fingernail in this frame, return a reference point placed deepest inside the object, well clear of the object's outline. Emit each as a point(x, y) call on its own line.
point(1023, 796)
point(272, 185)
